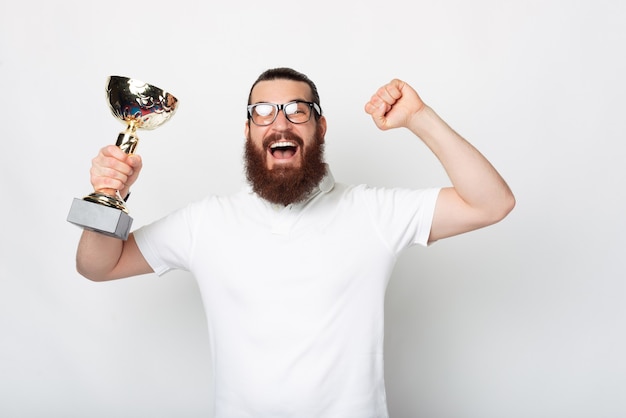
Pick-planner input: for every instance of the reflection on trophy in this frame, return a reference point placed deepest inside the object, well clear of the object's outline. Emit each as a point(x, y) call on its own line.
point(139, 106)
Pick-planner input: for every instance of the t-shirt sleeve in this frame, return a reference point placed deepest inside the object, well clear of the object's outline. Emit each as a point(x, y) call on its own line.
point(403, 216)
point(166, 243)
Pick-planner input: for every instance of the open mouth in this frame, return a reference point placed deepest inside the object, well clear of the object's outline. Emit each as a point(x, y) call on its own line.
point(283, 149)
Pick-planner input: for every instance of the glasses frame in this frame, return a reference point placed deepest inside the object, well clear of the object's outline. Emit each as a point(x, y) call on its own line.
point(278, 107)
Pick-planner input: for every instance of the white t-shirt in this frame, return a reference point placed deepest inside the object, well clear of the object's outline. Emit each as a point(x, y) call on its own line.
point(294, 296)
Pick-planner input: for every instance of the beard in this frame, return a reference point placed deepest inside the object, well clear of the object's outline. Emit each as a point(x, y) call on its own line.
point(285, 185)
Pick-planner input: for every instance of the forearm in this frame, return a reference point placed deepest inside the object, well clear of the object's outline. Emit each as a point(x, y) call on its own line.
point(474, 179)
point(97, 255)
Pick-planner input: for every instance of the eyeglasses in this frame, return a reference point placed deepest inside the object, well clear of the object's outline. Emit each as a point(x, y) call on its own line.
point(297, 111)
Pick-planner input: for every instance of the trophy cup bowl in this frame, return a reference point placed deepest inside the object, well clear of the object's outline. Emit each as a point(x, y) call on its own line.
point(133, 101)
point(139, 105)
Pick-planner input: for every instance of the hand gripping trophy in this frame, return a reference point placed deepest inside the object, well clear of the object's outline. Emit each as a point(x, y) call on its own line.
point(140, 106)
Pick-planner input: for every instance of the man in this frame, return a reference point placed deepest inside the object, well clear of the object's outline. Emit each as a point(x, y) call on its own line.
point(293, 270)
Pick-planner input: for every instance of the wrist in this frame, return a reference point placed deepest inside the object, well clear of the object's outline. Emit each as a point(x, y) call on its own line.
point(426, 124)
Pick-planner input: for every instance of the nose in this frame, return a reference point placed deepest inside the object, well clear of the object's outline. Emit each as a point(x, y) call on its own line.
point(281, 122)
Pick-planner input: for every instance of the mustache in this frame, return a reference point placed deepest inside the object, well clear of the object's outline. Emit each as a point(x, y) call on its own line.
point(286, 135)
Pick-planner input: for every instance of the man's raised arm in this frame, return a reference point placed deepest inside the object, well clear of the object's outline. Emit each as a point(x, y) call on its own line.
point(479, 196)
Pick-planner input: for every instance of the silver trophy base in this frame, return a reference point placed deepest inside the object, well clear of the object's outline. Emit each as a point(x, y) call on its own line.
point(99, 218)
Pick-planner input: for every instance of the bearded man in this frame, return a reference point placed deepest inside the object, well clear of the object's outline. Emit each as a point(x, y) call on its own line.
point(283, 167)
point(292, 271)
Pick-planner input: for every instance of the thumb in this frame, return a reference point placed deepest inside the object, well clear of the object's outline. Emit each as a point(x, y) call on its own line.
point(378, 109)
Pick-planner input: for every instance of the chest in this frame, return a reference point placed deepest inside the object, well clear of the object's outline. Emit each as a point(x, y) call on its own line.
point(292, 258)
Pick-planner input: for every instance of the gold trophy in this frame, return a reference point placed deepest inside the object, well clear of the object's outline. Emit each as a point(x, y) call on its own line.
point(140, 106)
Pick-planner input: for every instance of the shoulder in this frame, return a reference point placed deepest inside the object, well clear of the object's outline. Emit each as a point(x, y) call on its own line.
point(242, 197)
point(365, 193)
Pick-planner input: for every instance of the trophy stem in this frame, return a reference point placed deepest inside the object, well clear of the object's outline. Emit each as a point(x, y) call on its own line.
point(127, 140)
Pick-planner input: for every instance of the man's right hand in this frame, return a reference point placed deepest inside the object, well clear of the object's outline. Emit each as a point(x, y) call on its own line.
point(113, 170)
point(100, 257)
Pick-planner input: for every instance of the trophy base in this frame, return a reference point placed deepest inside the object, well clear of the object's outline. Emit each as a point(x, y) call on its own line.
point(99, 218)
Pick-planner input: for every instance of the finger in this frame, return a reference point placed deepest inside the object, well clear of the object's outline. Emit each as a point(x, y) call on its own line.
point(384, 98)
point(135, 162)
point(391, 92)
point(107, 178)
point(109, 165)
point(378, 110)
point(376, 106)
point(112, 169)
point(113, 151)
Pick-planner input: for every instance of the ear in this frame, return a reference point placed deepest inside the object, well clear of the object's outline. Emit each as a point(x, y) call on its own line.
point(246, 129)
point(322, 127)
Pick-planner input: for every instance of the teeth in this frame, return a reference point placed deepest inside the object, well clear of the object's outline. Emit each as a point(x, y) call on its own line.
point(282, 144)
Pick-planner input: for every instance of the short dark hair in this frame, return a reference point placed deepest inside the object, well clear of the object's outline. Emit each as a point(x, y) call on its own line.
point(284, 73)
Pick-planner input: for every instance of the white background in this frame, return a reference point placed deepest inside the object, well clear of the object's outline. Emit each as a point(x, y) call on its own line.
point(522, 319)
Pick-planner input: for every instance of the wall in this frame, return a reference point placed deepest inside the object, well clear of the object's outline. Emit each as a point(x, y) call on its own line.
point(522, 319)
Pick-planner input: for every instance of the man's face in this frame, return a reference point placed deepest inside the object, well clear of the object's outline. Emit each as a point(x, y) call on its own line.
point(295, 137)
point(284, 161)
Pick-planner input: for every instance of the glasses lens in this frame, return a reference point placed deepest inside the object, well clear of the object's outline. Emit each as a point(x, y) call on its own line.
point(298, 112)
point(263, 113)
